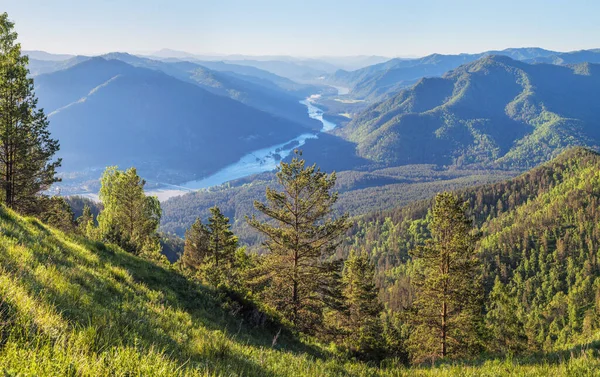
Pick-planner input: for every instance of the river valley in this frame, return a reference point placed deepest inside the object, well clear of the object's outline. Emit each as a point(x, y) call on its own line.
point(259, 161)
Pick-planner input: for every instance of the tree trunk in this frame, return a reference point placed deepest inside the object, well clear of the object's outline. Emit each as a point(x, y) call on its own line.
point(295, 288)
point(217, 248)
point(444, 329)
point(10, 182)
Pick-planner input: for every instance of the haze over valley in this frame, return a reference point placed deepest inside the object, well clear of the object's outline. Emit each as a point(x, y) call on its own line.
point(364, 113)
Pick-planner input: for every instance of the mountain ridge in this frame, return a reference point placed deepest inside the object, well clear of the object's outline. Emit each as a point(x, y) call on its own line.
point(494, 109)
point(377, 82)
point(156, 117)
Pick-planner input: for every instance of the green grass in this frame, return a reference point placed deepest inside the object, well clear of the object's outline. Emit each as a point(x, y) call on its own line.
point(72, 307)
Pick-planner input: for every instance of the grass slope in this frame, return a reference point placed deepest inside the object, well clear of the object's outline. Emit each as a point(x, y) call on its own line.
point(74, 307)
point(71, 307)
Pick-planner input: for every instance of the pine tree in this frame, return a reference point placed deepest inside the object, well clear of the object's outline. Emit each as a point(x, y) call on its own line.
point(85, 223)
point(210, 249)
point(55, 211)
point(363, 325)
point(223, 243)
point(301, 235)
point(26, 148)
point(447, 315)
point(129, 218)
point(197, 245)
point(505, 329)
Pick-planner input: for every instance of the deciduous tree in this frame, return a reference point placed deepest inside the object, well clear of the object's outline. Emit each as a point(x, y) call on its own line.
point(129, 218)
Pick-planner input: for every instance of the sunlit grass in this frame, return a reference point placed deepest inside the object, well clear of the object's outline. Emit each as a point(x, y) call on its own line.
point(72, 307)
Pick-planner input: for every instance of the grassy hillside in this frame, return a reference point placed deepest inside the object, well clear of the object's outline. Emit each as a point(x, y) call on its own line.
point(71, 307)
point(492, 111)
point(74, 307)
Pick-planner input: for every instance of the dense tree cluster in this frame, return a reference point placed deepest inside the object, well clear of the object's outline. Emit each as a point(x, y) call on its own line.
point(537, 253)
point(210, 250)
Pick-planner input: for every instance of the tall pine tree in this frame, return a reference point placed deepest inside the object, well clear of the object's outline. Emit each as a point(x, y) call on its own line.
point(447, 316)
point(301, 235)
point(223, 243)
point(505, 329)
point(26, 148)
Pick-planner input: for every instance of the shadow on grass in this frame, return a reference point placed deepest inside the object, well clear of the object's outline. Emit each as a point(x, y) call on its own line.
point(91, 292)
point(204, 304)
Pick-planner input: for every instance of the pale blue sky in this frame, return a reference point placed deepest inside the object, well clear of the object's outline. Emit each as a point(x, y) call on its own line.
point(304, 28)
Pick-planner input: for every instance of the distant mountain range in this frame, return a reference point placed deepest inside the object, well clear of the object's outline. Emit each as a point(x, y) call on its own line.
point(379, 81)
point(274, 94)
point(323, 63)
point(43, 55)
point(494, 110)
point(505, 109)
point(285, 66)
point(252, 86)
point(107, 112)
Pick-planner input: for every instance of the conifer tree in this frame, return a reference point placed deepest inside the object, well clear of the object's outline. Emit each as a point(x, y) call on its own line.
point(85, 223)
point(26, 148)
point(211, 249)
point(363, 326)
point(301, 235)
point(447, 316)
point(197, 245)
point(129, 218)
point(55, 211)
point(223, 243)
point(505, 329)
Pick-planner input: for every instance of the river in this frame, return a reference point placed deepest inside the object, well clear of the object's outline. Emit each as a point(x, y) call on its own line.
point(259, 161)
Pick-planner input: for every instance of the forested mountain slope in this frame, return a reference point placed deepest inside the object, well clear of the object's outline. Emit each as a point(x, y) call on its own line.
point(148, 118)
point(361, 192)
point(273, 95)
point(261, 93)
point(539, 241)
point(377, 81)
point(494, 111)
point(574, 57)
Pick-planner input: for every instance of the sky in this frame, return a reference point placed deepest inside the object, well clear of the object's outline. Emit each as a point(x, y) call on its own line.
point(304, 28)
